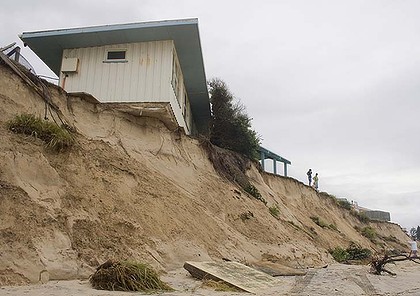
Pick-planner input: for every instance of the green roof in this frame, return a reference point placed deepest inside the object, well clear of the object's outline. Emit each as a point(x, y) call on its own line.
point(49, 46)
point(271, 155)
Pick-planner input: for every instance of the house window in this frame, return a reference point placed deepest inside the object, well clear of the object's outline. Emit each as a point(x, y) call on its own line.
point(184, 109)
point(175, 79)
point(115, 56)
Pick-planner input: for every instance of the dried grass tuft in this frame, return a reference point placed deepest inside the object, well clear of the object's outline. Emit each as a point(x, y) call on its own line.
point(220, 286)
point(56, 137)
point(127, 276)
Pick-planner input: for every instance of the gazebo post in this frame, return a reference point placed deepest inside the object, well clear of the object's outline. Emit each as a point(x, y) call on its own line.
point(262, 156)
point(274, 167)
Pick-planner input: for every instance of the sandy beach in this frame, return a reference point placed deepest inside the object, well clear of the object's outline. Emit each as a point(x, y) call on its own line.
point(336, 279)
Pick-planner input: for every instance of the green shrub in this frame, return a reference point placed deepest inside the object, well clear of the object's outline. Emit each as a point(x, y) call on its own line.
point(230, 126)
point(356, 252)
point(368, 232)
point(339, 254)
point(353, 252)
point(55, 137)
point(274, 211)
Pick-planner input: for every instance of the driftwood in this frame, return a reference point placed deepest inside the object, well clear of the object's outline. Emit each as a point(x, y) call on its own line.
point(378, 264)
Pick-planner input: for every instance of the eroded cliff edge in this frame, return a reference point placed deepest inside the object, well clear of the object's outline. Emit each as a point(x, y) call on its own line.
point(132, 188)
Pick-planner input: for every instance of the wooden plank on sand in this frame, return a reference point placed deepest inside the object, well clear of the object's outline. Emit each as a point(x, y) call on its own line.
point(233, 273)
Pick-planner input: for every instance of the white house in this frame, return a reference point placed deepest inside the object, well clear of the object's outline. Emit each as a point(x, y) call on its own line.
point(149, 62)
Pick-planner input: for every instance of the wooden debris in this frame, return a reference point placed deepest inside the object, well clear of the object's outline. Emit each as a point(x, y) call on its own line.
point(378, 263)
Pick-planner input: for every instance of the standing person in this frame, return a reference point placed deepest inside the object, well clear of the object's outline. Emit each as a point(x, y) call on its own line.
point(413, 251)
point(316, 181)
point(309, 173)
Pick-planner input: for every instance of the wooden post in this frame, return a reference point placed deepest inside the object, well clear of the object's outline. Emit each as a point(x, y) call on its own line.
point(262, 156)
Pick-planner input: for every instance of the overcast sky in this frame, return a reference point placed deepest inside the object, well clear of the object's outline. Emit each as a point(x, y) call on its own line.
point(331, 85)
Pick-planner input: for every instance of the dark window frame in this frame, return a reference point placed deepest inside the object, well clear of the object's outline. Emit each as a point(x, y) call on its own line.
point(116, 56)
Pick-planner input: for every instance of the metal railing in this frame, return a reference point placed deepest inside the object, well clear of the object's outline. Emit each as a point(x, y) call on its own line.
point(13, 52)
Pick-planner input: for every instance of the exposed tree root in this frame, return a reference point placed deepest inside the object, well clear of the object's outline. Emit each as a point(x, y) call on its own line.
point(378, 264)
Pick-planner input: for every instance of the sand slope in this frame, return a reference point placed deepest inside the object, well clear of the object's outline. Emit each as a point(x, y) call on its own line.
point(132, 189)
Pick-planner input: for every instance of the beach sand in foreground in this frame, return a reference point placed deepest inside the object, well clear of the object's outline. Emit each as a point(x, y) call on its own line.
point(336, 279)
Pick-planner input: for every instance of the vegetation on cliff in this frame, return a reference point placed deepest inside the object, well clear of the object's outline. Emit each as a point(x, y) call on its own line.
point(56, 137)
point(230, 125)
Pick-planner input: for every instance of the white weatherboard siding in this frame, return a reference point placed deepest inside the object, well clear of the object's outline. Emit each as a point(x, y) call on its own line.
point(144, 76)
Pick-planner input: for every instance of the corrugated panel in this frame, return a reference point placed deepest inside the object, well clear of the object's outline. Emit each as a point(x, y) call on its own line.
point(144, 77)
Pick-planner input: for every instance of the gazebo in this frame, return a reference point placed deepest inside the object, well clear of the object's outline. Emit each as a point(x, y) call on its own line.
point(267, 154)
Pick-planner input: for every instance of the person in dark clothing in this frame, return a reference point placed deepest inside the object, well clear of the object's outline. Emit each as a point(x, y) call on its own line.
point(309, 173)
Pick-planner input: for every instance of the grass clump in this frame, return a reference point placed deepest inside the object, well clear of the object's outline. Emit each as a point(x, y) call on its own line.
point(333, 227)
point(220, 286)
point(127, 276)
point(274, 211)
point(369, 232)
point(56, 137)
